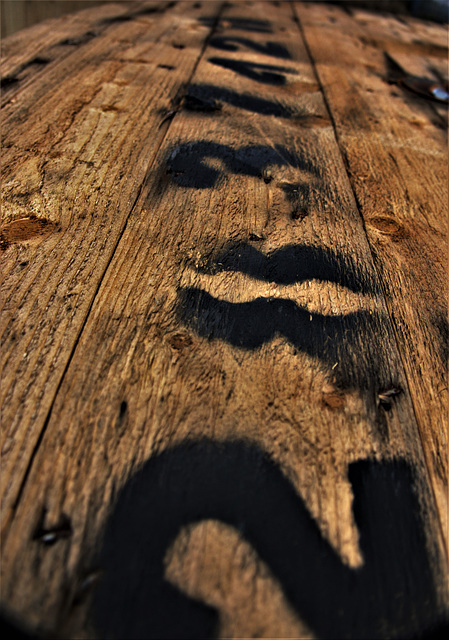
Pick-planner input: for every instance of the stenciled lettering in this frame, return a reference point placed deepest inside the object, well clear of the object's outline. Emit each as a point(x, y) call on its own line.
point(264, 73)
point(232, 43)
point(392, 595)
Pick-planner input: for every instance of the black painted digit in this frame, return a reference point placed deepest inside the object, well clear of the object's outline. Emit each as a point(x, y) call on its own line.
point(391, 596)
point(264, 73)
point(249, 325)
point(290, 264)
point(241, 24)
point(187, 162)
point(230, 43)
point(207, 93)
point(355, 341)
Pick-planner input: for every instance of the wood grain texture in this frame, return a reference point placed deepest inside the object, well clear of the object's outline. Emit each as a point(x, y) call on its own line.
point(20, 14)
point(40, 38)
point(68, 180)
point(394, 143)
point(210, 429)
point(52, 42)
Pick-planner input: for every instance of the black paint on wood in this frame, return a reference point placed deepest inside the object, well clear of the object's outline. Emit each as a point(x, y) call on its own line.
point(290, 264)
point(230, 43)
point(186, 162)
point(203, 104)
point(334, 340)
point(125, 17)
point(10, 80)
point(264, 73)
point(391, 596)
point(241, 24)
point(78, 41)
point(208, 92)
point(161, 8)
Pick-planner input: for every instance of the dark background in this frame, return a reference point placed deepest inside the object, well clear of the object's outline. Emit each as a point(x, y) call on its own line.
point(18, 14)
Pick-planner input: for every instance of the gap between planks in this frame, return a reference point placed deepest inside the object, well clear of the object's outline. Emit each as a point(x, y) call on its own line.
point(346, 156)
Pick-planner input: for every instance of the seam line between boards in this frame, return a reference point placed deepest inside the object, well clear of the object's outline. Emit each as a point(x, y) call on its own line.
point(348, 173)
point(166, 126)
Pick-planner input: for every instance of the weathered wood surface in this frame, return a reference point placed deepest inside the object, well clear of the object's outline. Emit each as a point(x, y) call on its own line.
point(223, 292)
point(391, 136)
point(19, 14)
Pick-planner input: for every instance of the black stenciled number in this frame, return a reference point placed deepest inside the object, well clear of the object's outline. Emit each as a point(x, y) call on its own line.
point(187, 162)
point(265, 73)
point(290, 264)
point(230, 43)
point(249, 325)
point(353, 340)
point(209, 94)
point(391, 596)
point(241, 24)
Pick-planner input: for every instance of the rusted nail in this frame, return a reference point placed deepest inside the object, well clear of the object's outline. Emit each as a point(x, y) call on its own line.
point(385, 397)
point(427, 88)
point(440, 93)
point(49, 536)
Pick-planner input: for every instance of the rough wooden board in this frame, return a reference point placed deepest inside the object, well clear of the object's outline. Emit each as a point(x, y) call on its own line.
point(75, 185)
point(142, 381)
point(434, 65)
point(42, 36)
point(427, 31)
point(440, 68)
point(68, 33)
point(397, 160)
point(20, 14)
point(420, 48)
point(424, 68)
point(402, 34)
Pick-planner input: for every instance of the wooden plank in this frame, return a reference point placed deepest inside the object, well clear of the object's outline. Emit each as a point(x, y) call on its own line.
point(404, 31)
point(236, 364)
point(420, 76)
point(66, 198)
point(395, 149)
point(20, 14)
point(419, 48)
point(39, 37)
point(47, 48)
